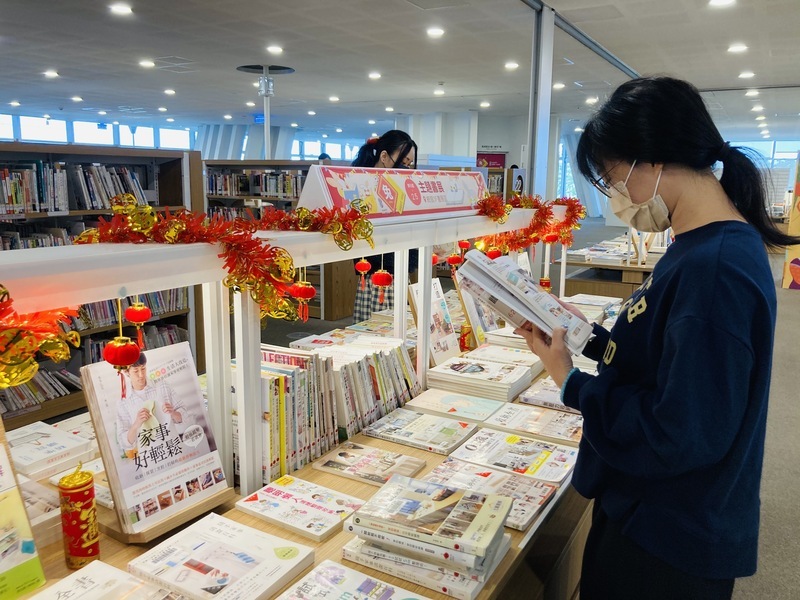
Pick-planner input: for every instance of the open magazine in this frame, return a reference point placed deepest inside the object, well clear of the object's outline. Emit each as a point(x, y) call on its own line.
point(515, 296)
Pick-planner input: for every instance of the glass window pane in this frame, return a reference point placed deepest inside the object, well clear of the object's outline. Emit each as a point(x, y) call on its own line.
point(141, 137)
point(37, 129)
point(312, 150)
point(6, 127)
point(334, 150)
point(86, 132)
point(174, 138)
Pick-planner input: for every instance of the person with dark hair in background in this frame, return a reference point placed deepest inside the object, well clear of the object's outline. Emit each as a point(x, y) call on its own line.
point(675, 419)
point(324, 158)
point(393, 150)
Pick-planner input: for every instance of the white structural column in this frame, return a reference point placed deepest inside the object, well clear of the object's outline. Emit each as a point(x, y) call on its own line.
point(424, 313)
point(247, 383)
point(216, 315)
point(400, 288)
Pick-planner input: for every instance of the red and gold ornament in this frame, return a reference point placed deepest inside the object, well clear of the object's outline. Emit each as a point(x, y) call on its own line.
point(454, 260)
point(121, 352)
point(382, 279)
point(303, 292)
point(79, 518)
point(494, 252)
point(363, 267)
point(138, 314)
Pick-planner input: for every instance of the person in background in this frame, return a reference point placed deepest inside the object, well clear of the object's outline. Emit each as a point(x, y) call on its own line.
point(393, 150)
point(324, 158)
point(675, 419)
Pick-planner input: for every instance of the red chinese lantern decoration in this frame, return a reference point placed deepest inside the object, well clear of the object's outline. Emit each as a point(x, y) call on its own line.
point(454, 260)
point(303, 292)
point(464, 245)
point(363, 267)
point(138, 313)
point(434, 259)
point(382, 279)
point(121, 352)
point(550, 237)
point(494, 252)
point(544, 283)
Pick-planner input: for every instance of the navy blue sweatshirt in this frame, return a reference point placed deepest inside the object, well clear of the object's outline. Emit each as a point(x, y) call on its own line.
point(674, 421)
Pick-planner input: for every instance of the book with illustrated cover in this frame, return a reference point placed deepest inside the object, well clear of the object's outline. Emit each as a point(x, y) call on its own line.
point(509, 356)
point(20, 567)
point(515, 295)
point(479, 316)
point(330, 580)
point(468, 521)
point(216, 557)
point(433, 433)
point(158, 466)
point(306, 508)
point(472, 409)
point(548, 424)
point(368, 464)
point(102, 493)
point(39, 450)
point(458, 586)
point(530, 495)
point(493, 380)
point(544, 392)
point(516, 454)
point(443, 336)
point(101, 581)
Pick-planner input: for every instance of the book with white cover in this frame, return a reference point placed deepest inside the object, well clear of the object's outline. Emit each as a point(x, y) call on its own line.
point(101, 581)
point(509, 356)
point(505, 336)
point(548, 424)
point(443, 336)
point(39, 450)
point(457, 586)
point(306, 508)
point(41, 503)
point(493, 380)
point(166, 463)
point(464, 520)
point(80, 425)
point(368, 464)
point(330, 580)
point(335, 337)
point(102, 493)
point(517, 454)
point(216, 557)
point(480, 317)
point(503, 280)
point(463, 407)
point(544, 392)
point(433, 433)
point(530, 495)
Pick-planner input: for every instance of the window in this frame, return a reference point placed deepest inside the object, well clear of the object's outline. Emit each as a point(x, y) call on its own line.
point(140, 137)
point(297, 150)
point(37, 129)
point(351, 152)
point(312, 150)
point(6, 127)
point(566, 183)
point(334, 150)
point(86, 132)
point(175, 138)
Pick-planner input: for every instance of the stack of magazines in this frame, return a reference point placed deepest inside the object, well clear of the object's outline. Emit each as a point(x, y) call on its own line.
point(438, 536)
point(496, 381)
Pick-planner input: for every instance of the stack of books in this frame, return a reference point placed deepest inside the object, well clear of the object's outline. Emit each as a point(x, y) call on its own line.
point(472, 409)
point(496, 381)
point(80, 425)
point(505, 336)
point(508, 355)
point(439, 536)
point(434, 433)
point(368, 464)
point(42, 506)
point(547, 424)
point(544, 392)
point(39, 450)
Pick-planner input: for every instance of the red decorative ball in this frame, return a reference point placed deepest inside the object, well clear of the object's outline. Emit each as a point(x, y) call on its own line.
point(305, 291)
point(434, 259)
point(494, 252)
point(454, 260)
point(363, 266)
point(382, 278)
point(137, 313)
point(464, 244)
point(550, 238)
point(121, 352)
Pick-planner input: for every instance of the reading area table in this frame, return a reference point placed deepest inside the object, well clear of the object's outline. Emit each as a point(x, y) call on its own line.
point(543, 562)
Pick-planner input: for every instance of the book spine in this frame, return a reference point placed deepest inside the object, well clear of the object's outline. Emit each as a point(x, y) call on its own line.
point(416, 563)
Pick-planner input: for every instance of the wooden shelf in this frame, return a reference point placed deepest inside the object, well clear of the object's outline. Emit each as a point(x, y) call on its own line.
point(48, 410)
point(153, 319)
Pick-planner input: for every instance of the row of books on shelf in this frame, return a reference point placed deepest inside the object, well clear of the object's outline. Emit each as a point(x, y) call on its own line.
point(104, 313)
point(43, 386)
point(18, 234)
point(271, 184)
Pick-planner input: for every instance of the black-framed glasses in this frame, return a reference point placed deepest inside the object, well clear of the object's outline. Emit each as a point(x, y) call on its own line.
point(601, 186)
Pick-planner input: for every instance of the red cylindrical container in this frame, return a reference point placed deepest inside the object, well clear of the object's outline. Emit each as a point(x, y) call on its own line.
point(79, 519)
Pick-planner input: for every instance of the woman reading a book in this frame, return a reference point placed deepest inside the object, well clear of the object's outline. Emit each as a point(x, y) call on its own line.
point(393, 150)
point(674, 420)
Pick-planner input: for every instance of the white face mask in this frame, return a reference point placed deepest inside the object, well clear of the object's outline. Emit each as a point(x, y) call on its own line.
point(650, 216)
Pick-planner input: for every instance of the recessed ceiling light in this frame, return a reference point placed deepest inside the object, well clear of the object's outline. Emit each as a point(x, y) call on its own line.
point(45, 116)
point(312, 113)
point(250, 103)
point(256, 84)
point(746, 75)
point(765, 132)
point(485, 104)
point(559, 86)
point(324, 135)
point(274, 49)
point(147, 64)
point(102, 113)
point(76, 99)
point(162, 109)
point(751, 93)
point(334, 98)
point(721, 3)
point(511, 65)
point(371, 121)
point(50, 73)
point(737, 48)
point(294, 124)
point(592, 100)
point(578, 129)
point(338, 130)
point(115, 123)
point(14, 103)
point(169, 92)
point(121, 9)
point(374, 134)
point(763, 124)
point(374, 75)
point(765, 137)
point(170, 120)
point(389, 109)
point(757, 108)
point(435, 32)
point(438, 92)
point(227, 117)
point(188, 128)
point(762, 117)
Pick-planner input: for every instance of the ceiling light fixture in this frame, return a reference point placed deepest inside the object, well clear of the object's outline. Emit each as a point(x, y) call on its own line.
point(102, 113)
point(338, 130)
point(169, 92)
point(274, 49)
point(121, 9)
point(721, 3)
point(311, 113)
point(50, 74)
point(737, 48)
point(578, 129)
point(170, 120)
point(228, 117)
point(511, 65)
point(256, 84)
point(762, 117)
point(438, 92)
point(147, 64)
point(162, 109)
point(592, 100)
point(374, 75)
point(76, 99)
point(485, 104)
point(334, 98)
point(757, 108)
point(765, 132)
point(294, 124)
point(115, 123)
point(763, 124)
point(435, 32)
point(374, 134)
point(746, 75)
point(751, 93)
point(389, 109)
point(371, 121)
point(559, 86)
point(250, 104)
point(14, 103)
point(45, 116)
point(324, 135)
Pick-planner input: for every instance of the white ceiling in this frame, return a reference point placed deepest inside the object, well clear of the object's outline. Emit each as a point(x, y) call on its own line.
point(334, 44)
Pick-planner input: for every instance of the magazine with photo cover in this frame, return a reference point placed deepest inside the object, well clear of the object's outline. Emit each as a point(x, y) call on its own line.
point(155, 439)
point(368, 464)
point(438, 434)
point(546, 423)
point(443, 337)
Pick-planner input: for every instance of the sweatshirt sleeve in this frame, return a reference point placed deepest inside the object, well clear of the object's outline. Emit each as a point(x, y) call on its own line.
point(597, 345)
point(689, 421)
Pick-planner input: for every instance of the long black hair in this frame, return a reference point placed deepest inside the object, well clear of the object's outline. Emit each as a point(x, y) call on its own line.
point(392, 141)
point(664, 120)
